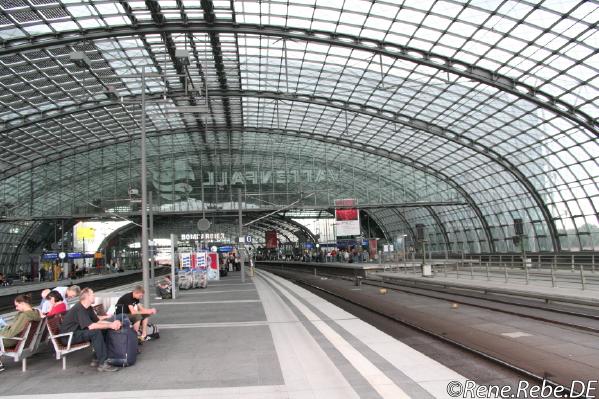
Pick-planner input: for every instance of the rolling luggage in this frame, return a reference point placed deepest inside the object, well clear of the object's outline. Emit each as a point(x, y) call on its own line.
point(196, 279)
point(203, 280)
point(185, 281)
point(122, 345)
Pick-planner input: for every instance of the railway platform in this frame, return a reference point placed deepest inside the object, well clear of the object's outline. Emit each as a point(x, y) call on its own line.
point(565, 287)
point(272, 338)
point(266, 338)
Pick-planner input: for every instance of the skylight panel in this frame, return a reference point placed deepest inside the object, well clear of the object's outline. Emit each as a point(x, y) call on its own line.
point(64, 26)
point(107, 8)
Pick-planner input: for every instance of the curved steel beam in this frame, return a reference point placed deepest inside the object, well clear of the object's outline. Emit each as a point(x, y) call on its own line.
point(403, 217)
point(382, 226)
point(441, 225)
point(392, 50)
point(22, 240)
point(296, 224)
point(413, 123)
point(370, 149)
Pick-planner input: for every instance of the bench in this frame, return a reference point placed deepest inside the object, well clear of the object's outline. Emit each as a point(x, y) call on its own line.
point(61, 349)
point(28, 343)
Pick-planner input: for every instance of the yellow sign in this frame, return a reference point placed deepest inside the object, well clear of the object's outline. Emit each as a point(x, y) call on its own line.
point(84, 232)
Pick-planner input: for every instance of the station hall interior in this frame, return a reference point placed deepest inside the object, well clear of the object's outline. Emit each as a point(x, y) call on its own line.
point(357, 148)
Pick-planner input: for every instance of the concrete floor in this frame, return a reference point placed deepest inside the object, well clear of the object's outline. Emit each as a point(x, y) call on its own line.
point(264, 339)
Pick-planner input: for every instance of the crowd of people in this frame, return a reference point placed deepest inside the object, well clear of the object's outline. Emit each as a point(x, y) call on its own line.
point(81, 319)
point(355, 254)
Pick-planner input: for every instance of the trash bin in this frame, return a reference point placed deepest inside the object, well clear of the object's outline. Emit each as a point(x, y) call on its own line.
point(427, 271)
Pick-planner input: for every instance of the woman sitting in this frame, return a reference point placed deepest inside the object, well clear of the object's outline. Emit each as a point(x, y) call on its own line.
point(57, 304)
point(25, 314)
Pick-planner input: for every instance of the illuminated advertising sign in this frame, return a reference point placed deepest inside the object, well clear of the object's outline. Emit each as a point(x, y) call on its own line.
point(347, 219)
point(271, 239)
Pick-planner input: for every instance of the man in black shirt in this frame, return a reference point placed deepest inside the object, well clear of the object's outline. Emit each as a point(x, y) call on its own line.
point(129, 305)
point(85, 325)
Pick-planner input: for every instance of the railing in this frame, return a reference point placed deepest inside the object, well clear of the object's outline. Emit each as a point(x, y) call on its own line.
point(576, 271)
point(547, 272)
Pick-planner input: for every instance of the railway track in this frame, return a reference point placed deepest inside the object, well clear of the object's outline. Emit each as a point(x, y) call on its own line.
point(576, 317)
point(420, 325)
point(581, 320)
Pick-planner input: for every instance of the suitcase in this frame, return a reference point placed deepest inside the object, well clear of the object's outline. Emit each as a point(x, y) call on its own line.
point(185, 281)
point(203, 280)
point(196, 279)
point(122, 346)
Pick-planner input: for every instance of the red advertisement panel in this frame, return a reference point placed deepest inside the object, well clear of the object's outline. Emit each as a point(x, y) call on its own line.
point(372, 246)
point(346, 214)
point(213, 260)
point(271, 239)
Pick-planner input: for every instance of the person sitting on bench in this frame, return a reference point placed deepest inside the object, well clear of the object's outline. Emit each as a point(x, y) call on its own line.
point(85, 325)
point(57, 303)
point(25, 315)
point(129, 305)
point(66, 293)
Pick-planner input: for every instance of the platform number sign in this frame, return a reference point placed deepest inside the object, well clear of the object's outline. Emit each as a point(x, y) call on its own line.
point(247, 239)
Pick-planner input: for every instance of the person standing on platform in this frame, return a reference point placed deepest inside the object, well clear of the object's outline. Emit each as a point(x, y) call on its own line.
point(43, 272)
point(3, 280)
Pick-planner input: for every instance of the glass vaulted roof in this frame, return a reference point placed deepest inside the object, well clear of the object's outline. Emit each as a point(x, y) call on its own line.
point(474, 113)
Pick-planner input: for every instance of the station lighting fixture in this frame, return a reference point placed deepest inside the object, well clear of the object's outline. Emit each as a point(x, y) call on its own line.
point(80, 59)
point(182, 55)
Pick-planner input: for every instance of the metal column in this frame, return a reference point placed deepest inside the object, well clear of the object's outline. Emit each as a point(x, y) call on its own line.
point(240, 244)
point(144, 195)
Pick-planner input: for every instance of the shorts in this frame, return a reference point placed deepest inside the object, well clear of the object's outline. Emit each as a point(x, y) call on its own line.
point(134, 318)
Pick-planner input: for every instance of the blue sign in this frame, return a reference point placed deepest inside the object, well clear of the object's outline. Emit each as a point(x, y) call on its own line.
point(74, 255)
point(50, 256)
point(225, 248)
point(309, 245)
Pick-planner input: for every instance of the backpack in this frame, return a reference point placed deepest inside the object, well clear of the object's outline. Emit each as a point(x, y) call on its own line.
point(153, 331)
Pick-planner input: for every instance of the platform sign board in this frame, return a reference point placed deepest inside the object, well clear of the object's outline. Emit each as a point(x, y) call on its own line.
point(347, 218)
point(50, 256)
point(201, 262)
point(185, 260)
